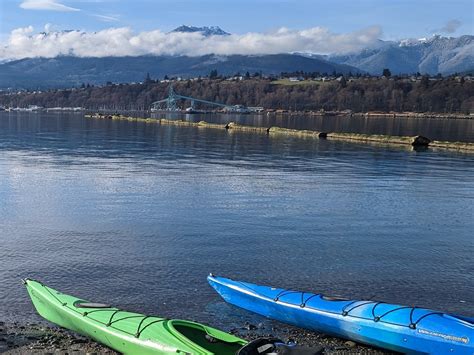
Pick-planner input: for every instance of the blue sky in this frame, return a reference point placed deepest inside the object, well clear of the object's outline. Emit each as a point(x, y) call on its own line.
point(397, 19)
point(140, 27)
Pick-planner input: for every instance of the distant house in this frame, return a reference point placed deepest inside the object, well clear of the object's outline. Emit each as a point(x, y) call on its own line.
point(295, 78)
point(235, 78)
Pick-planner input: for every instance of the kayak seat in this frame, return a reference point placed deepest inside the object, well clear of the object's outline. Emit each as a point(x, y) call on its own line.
point(85, 304)
point(212, 344)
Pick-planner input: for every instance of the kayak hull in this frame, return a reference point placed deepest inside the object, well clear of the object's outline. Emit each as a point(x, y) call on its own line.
point(393, 327)
point(128, 332)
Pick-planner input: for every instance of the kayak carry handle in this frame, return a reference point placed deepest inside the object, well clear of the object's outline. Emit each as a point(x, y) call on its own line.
point(26, 279)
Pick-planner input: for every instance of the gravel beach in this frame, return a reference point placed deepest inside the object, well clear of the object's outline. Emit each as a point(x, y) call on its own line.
point(32, 338)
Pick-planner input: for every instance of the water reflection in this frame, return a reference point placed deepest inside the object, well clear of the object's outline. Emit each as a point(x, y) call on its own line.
point(137, 215)
point(436, 129)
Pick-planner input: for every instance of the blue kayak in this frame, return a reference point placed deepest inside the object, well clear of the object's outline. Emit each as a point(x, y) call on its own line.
point(404, 329)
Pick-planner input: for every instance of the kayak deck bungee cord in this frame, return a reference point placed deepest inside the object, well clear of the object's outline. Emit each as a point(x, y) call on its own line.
point(399, 328)
point(128, 332)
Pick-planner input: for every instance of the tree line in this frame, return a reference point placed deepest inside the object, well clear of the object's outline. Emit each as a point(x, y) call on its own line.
point(363, 94)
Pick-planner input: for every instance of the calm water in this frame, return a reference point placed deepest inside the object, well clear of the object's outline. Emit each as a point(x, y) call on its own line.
point(433, 128)
point(137, 215)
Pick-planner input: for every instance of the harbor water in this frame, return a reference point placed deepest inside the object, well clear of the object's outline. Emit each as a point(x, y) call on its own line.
point(137, 215)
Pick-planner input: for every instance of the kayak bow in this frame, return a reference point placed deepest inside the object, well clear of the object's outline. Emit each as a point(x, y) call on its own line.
point(399, 328)
point(127, 332)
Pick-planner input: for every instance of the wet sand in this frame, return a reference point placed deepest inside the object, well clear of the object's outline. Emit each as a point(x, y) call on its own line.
point(32, 338)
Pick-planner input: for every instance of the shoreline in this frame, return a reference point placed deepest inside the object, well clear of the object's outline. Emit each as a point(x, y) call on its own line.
point(38, 338)
point(416, 142)
point(343, 113)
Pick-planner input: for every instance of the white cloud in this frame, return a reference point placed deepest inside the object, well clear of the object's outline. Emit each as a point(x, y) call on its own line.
point(48, 27)
point(23, 42)
point(107, 18)
point(51, 5)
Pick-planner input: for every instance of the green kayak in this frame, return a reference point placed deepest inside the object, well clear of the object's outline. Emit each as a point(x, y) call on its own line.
point(127, 332)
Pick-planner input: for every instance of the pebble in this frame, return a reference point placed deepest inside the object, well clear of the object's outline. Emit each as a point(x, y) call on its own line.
point(249, 326)
point(34, 339)
point(350, 344)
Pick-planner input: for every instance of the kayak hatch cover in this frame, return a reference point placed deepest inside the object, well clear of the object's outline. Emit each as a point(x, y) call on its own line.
point(404, 329)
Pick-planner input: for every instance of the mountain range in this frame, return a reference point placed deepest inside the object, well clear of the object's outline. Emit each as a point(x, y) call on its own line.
point(67, 71)
point(427, 56)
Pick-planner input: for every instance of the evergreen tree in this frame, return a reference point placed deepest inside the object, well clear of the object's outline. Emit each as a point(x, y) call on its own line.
point(148, 78)
point(425, 81)
point(213, 74)
point(343, 82)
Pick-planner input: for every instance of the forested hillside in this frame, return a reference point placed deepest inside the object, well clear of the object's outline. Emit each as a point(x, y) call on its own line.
point(363, 94)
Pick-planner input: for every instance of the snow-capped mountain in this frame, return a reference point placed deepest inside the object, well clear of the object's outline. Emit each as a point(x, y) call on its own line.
point(206, 30)
point(426, 55)
point(445, 55)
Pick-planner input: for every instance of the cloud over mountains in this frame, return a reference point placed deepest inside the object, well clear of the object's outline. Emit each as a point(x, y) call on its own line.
point(25, 43)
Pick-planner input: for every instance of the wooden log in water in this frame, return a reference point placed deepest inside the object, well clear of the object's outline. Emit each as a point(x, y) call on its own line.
point(297, 132)
point(165, 121)
point(415, 141)
point(461, 146)
point(205, 124)
point(237, 127)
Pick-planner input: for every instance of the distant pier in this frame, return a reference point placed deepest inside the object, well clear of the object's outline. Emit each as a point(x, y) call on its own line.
point(171, 104)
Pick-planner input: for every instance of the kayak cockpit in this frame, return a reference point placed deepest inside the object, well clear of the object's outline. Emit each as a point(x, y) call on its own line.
point(213, 341)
